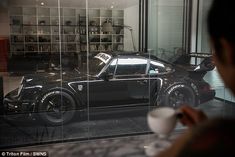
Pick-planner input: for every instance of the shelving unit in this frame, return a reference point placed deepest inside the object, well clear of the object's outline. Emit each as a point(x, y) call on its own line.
point(40, 30)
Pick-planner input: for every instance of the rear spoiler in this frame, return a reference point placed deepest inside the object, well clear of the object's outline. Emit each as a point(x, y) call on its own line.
point(196, 71)
point(200, 70)
point(206, 65)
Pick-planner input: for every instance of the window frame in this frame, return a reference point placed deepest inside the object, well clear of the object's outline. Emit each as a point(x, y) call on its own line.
point(132, 75)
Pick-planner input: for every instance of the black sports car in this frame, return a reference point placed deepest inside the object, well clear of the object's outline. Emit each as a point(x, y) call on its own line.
point(113, 80)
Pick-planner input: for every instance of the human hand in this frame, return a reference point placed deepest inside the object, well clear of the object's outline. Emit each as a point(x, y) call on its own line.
point(191, 116)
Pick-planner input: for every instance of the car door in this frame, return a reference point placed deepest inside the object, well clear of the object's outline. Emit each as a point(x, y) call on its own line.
point(132, 72)
point(108, 93)
point(127, 84)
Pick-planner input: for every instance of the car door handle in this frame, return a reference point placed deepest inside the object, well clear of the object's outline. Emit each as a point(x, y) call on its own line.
point(142, 81)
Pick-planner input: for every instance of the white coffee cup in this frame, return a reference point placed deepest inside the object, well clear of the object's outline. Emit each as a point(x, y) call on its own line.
point(162, 120)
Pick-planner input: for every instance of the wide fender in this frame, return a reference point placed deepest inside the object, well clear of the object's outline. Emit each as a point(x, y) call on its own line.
point(185, 87)
point(51, 91)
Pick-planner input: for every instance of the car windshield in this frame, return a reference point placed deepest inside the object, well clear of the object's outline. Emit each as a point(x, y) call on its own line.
point(97, 63)
point(95, 66)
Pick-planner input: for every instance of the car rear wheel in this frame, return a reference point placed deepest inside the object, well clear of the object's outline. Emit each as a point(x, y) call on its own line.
point(180, 94)
point(56, 108)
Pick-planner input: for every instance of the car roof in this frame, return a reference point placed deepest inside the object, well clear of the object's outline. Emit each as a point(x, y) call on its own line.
point(136, 54)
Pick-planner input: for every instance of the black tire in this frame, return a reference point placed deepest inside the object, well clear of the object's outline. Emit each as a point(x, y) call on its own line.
point(56, 108)
point(180, 94)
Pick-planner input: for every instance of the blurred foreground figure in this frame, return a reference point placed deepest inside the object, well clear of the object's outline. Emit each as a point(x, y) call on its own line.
point(212, 137)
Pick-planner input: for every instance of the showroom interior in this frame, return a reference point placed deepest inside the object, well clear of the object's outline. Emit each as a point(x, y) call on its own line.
point(49, 49)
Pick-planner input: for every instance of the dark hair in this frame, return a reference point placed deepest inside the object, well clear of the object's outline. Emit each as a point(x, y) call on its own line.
point(221, 23)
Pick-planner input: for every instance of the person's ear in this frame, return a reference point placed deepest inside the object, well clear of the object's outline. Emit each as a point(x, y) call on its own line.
point(228, 51)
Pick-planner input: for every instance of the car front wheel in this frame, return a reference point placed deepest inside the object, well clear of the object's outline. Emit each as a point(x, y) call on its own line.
point(56, 108)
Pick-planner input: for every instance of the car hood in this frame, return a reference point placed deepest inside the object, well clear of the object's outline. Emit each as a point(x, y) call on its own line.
point(52, 77)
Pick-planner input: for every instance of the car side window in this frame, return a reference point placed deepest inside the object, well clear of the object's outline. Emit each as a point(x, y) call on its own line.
point(156, 67)
point(131, 66)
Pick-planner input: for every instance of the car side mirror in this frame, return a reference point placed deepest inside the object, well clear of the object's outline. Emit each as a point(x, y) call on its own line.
point(106, 76)
point(152, 72)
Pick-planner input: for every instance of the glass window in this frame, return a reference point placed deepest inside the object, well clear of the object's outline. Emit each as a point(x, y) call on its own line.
point(57, 48)
point(112, 66)
point(98, 62)
point(130, 66)
point(96, 65)
point(166, 28)
point(54, 51)
point(203, 46)
point(156, 67)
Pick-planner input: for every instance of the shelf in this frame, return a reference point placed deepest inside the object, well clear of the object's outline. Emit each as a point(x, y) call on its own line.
point(93, 17)
point(89, 26)
point(29, 51)
point(58, 42)
point(94, 34)
point(96, 51)
point(16, 25)
point(111, 34)
point(17, 42)
point(117, 26)
point(40, 28)
point(73, 16)
point(48, 34)
point(47, 16)
point(107, 34)
point(103, 17)
point(31, 42)
point(13, 34)
point(46, 25)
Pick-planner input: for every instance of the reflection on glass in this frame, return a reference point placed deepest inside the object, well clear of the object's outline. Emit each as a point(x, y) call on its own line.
point(96, 65)
point(165, 29)
point(47, 44)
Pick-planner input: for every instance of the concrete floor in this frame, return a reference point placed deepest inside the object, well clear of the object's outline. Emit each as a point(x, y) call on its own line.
point(101, 137)
point(131, 146)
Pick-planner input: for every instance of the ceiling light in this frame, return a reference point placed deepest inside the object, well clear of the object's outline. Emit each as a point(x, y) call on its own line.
point(42, 3)
point(111, 7)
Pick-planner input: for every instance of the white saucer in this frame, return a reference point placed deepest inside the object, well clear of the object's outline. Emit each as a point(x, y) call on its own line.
point(156, 147)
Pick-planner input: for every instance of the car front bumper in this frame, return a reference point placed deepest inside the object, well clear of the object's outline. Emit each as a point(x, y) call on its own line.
point(207, 96)
point(12, 103)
